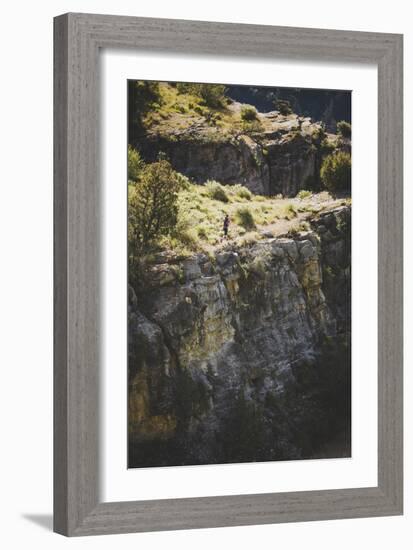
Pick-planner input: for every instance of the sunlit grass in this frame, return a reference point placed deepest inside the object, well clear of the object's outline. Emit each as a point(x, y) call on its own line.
point(202, 210)
point(179, 110)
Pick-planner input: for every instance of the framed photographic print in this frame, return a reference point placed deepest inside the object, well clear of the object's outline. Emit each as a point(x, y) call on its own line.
point(228, 274)
point(239, 259)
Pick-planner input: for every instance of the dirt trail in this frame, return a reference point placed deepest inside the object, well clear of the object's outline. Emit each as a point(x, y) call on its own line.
point(306, 209)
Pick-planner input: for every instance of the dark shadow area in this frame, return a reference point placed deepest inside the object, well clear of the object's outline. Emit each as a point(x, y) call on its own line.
point(43, 520)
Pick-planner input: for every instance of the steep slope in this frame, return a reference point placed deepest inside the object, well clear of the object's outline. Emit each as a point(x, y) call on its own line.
point(270, 154)
point(244, 355)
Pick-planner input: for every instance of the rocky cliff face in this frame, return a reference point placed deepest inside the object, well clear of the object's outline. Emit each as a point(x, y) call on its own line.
point(328, 106)
point(282, 155)
point(243, 356)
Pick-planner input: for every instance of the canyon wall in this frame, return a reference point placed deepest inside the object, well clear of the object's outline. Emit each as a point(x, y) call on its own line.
point(244, 355)
point(283, 157)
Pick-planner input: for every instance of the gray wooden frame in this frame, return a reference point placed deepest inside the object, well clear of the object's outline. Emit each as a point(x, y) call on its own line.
point(78, 39)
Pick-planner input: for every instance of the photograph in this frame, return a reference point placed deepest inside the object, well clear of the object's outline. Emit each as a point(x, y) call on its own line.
point(239, 273)
point(204, 319)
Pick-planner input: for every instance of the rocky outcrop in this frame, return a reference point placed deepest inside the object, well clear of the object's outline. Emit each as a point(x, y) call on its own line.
point(235, 160)
point(329, 106)
point(280, 154)
point(245, 355)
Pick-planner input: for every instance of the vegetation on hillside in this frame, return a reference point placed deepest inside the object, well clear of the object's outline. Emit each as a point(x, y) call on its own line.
point(283, 106)
point(166, 211)
point(335, 172)
point(143, 97)
point(212, 95)
point(248, 112)
point(344, 129)
point(171, 108)
point(153, 205)
point(180, 104)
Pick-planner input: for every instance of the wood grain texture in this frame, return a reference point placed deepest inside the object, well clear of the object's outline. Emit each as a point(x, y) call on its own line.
point(78, 38)
point(60, 485)
point(390, 273)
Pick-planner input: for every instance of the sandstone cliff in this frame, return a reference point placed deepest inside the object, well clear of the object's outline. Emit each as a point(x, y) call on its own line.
point(244, 355)
point(276, 154)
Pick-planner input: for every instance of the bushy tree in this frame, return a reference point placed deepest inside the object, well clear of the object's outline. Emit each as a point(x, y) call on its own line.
point(245, 218)
point(153, 206)
point(216, 191)
point(248, 112)
point(344, 129)
point(250, 124)
point(135, 164)
point(283, 106)
point(185, 87)
point(242, 192)
point(212, 94)
point(336, 171)
point(319, 134)
point(143, 95)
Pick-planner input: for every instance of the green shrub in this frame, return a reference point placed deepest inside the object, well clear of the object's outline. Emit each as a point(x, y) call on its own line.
point(336, 172)
point(319, 135)
point(290, 211)
point(184, 181)
point(248, 112)
point(251, 126)
point(188, 238)
point(143, 97)
point(283, 106)
point(200, 110)
point(303, 194)
point(185, 87)
point(344, 129)
point(202, 232)
point(249, 238)
point(216, 191)
point(152, 206)
point(293, 232)
point(245, 218)
point(212, 94)
point(135, 164)
point(242, 192)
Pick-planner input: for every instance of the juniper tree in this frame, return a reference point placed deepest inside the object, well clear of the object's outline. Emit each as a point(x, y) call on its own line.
point(153, 206)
